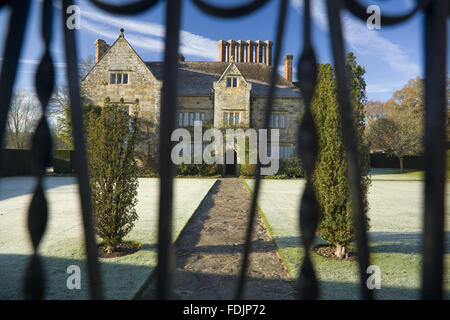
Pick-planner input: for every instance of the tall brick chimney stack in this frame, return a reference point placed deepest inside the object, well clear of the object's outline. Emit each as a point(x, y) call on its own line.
point(268, 57)
point(240, 54)
point(231, 50)
point(222, 50)
point(259, 51)
point(288, 67)
point(100, 48)
point(250, 48)
point(245, 51)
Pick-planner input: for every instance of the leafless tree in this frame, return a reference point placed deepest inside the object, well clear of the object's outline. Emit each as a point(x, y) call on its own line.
point(23, 116)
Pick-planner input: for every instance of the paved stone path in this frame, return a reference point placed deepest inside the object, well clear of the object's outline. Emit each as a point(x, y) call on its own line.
point(210, 249)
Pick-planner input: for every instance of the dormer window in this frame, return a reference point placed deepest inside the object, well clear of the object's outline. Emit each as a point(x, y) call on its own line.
point(232, 82)
point(118, 78)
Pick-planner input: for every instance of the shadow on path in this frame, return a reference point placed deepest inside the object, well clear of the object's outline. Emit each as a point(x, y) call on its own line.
point(209, 252)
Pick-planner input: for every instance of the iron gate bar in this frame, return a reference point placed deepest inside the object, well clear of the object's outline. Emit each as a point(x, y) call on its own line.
point(130, 8)
point(268, 109)
point(233, 12)
point(41, 152)
point(3, 2)
point(435, 154)
point(308, 287)
point(166, 167)
point(11, 53)
point(435, 48)
point(350, 143)
point(80, 157)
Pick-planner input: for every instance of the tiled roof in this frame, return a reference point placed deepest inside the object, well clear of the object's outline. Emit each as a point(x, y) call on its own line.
point(196, 78)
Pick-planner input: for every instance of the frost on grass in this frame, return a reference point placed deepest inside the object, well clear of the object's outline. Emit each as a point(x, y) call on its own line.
point(63, 246)
point(395, 237)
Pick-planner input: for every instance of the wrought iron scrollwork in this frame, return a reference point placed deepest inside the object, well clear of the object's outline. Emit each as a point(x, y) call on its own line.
point(436, 39)
point(80, 157)
point(41, 152)
point(350, 143)
point(234, 12)
point(129, 8)
point(436, 13)
point(308, 287)
point(13, 46)
point(166, 166)
point(268, 110)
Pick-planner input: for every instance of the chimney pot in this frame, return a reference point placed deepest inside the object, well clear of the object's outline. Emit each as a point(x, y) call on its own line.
point(268, 58)
point(250, 48)
point(240, 54)
point(231, 49)
point(259, 50)
point(100, 48)
point(288, 67)
point(222, 45)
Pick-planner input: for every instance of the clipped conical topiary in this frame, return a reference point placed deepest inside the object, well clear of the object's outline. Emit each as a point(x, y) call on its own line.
point(330, 175)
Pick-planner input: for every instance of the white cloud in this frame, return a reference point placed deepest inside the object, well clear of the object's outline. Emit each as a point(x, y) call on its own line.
point(294, 71)
point(146, 35)
point(383, 87)
point(37, 61)
point(362, 40)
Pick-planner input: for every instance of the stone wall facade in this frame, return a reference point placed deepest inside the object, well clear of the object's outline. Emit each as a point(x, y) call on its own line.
point(231, 93)
point(232, 99)
point(142, 85)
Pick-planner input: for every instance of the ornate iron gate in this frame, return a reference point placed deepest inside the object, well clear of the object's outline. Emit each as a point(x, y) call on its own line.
point(435, 30)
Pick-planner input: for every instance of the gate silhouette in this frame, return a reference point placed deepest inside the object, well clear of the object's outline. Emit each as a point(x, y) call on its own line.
point(435, 46)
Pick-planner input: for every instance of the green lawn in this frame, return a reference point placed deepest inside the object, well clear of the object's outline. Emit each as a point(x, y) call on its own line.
point(395, 174)
point(62, 244)
point(395, 237)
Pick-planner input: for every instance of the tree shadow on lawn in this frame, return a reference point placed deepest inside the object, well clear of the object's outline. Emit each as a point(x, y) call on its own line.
point(11, 187)
point(409, 243)
point(120, 281)
point(331, 290)
point(386, 242)
point(218, 276)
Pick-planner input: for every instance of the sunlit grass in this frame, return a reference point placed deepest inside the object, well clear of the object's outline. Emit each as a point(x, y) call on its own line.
point(395, 238)
point(63, 243)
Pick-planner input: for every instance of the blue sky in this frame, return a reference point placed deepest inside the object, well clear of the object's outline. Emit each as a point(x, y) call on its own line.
point(391, 55)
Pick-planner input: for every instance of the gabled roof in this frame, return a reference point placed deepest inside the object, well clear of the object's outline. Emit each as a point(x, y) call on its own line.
point(197, 77)
point(107, 51)
point(229, 69)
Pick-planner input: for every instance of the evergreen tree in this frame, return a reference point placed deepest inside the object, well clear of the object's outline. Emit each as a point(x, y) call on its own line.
point(330, 175)
point(62, 111)
point(112, 139)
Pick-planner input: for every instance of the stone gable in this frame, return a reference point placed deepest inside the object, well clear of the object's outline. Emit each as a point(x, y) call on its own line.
point(142, 84)
point(232, 99)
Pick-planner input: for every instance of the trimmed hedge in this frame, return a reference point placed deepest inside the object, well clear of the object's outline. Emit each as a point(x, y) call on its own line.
point(63, 161)
point(381, 160)
point(289, 168)
point(17, 162)
point(199, 170)
point(292, 168)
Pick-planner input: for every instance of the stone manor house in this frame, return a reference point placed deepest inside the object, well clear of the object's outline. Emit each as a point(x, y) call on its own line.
point(230, 92)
